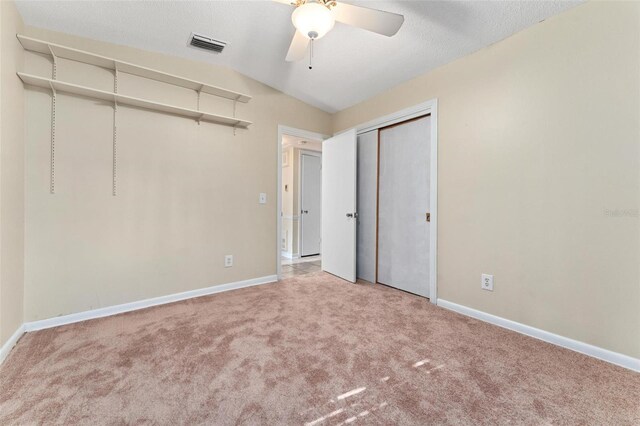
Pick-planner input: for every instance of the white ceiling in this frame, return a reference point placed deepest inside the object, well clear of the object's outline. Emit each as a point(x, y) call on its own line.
point(350, 64)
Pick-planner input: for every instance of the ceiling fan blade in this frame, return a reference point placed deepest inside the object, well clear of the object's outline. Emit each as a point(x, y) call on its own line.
point(298, 47)
point(378, 21)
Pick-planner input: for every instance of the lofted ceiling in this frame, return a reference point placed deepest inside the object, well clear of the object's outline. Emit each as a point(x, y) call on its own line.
point(349, 65)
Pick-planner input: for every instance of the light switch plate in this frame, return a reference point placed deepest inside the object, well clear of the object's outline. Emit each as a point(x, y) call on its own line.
point(487, 282)
point(262, 199)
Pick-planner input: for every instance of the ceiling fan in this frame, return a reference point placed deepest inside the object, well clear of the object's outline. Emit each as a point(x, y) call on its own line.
point(315, 18)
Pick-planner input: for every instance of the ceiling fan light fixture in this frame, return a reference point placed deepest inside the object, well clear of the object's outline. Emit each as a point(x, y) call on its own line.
point(313, 20)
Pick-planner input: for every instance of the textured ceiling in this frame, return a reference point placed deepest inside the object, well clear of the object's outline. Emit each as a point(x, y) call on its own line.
point(350, 64)
point(302, 143)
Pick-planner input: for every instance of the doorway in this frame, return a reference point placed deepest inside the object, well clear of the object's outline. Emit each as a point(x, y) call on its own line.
point(299, 201)
point(310, 203)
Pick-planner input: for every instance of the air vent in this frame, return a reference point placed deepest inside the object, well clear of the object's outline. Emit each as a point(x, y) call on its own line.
point(206, 43)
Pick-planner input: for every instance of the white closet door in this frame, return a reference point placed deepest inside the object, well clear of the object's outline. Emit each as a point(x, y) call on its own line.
point(339, 205)
point(367, 198)
point(404, 189)
point(310, 196)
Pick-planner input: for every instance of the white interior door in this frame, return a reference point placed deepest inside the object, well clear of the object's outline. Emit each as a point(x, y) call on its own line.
point(310, 202)
point(367, 205)
point(339, 205)
point(404, 201)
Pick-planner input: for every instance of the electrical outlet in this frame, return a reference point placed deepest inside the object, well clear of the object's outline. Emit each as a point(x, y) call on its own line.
point(487, 282)
point(262, 199)
point(228, 261)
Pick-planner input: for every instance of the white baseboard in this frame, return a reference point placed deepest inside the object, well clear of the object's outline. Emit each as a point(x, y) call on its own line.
point(9, 344)
point(575, 345)
point(289, 255)
point(141, 304)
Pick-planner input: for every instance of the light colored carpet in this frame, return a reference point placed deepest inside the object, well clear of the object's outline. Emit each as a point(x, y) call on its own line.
point(310, 349)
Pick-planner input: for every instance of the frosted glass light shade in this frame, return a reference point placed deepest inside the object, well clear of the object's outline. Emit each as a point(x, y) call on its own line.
point(313, 18)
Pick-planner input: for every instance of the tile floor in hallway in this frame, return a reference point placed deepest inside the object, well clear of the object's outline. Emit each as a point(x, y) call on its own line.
point(299, 269)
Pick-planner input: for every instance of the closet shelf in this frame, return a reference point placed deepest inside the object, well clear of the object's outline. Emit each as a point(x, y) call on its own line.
point(60, 86)
point(60, 51)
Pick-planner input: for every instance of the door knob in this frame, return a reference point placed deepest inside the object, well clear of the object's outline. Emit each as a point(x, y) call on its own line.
point(354, 214)
point(305, 212)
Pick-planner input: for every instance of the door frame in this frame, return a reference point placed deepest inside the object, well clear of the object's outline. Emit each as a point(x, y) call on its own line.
point(291, 131)
point(426, 108)
point(302, 152)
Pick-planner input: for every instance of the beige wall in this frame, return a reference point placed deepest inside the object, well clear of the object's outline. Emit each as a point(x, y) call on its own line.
point(187, 193)
point(289, 221)
point(290, 201)
point(538, 147)
point(11, 174)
